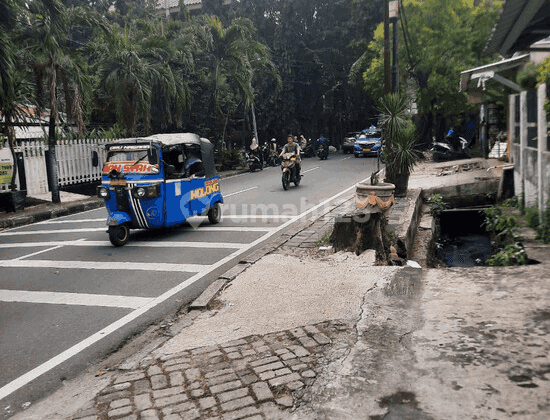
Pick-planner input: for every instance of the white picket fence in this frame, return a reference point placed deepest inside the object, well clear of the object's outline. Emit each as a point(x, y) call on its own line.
point(74, 163)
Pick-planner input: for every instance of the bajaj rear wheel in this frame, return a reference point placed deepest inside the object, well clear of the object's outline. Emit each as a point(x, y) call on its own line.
point(215, 213)
point(118, 235)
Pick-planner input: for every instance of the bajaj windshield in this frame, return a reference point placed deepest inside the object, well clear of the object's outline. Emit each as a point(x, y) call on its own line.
point(132, 159)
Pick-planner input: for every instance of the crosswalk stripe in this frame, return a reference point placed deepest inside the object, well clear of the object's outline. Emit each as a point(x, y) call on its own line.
point(81, 299)
point(95, 265)
point(103, 229)
point(212, 245)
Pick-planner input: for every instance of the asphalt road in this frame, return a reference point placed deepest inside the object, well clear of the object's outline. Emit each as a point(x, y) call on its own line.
point(67, 296)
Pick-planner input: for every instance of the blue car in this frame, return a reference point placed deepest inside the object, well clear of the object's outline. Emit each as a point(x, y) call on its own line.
point(369, 142)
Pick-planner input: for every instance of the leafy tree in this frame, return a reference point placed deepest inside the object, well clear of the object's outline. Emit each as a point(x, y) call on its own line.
point(437, 40)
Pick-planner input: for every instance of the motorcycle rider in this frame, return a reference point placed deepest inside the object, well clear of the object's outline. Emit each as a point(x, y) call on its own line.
point(293, 147)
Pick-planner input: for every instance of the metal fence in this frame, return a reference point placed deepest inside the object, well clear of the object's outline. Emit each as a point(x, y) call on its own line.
point(74, 163)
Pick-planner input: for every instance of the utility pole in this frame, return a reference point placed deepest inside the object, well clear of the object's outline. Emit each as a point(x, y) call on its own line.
point(393, 14)
point(387, 80)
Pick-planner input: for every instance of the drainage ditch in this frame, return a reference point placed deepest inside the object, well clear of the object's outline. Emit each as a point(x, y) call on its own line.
point(463, 241)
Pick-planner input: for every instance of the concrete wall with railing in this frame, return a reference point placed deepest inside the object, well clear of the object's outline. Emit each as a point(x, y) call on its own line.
point(530, 149)
point(74, 163)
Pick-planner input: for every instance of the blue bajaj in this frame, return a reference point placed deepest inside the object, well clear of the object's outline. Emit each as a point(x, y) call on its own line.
point(159, 181)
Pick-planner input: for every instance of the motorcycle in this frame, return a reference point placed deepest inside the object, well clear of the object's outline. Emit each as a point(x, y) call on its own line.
point(309, 149)
point(271, 155)
point(253, 161)
point(322, 150)
point(290, 170)
point(454, 146)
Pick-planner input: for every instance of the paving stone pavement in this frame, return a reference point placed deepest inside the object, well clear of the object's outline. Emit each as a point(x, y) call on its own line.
point(254, 378)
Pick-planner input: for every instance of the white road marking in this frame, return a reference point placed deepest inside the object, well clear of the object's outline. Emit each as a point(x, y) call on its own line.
point(218, 245)
point(56, 221)
point(62, 357)
point(239, 192)
point(309, 170)
point(81, 299)
point(258, 216)
point(96, 265)
point(39, 252)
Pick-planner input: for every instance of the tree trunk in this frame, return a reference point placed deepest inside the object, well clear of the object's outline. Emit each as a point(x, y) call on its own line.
point(10, 134)
point(358, 231)
point(52, 162)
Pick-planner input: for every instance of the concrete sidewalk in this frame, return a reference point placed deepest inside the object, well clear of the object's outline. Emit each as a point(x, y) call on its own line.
point(298, 332)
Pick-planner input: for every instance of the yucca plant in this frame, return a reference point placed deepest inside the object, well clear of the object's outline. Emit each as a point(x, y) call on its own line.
point(400, 153)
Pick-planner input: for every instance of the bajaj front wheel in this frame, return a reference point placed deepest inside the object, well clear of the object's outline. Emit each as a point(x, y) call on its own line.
point(118, 235)
point(215, 214)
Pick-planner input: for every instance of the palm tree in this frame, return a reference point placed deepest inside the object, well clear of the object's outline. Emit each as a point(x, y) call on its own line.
point(59, 60)
point(230, 58)
point(15, 92)
point(141, 68)
point(400, 153)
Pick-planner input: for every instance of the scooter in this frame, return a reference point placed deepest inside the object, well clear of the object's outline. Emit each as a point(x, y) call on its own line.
point(309, 149)
point(454, 146)
point(290, 170)
point(254, 162)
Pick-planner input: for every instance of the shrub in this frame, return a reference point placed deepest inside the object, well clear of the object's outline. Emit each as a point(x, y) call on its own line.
point(511, 254)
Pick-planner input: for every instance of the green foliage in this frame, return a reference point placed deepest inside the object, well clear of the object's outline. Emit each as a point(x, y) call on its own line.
point(444, 38)
point(503, 226)
point(543, 72)
point(527, 76)
point(511, 254)
point(511, 202)
point(531, 217)
point(437, 204)
point(400, 153)
point(543, 231)
point(230, 158)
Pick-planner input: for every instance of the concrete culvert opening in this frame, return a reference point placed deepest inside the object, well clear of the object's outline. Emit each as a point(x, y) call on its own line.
point(463, 241)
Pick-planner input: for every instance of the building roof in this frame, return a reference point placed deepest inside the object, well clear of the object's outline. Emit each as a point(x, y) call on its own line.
point(521, 24)
point(491, 71)
point(168, 4)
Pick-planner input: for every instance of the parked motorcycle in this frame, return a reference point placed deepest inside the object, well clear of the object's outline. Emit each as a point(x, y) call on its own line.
point(309, 149)
point(455, 145)
point(322, 148)
point(253, 161)
point(271, 154)
point(290, 170)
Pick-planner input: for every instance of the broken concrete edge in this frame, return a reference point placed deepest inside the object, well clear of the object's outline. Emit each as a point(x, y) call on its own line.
point(411, 220)
point(208, 294)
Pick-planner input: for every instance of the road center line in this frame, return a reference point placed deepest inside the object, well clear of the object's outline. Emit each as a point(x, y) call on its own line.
point(239, 192)
point(81, 299)
point(94, 338)
point(309, 170)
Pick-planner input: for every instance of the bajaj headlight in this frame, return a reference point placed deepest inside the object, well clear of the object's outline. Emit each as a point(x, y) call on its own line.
point(103, 192)
point(146, 192)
